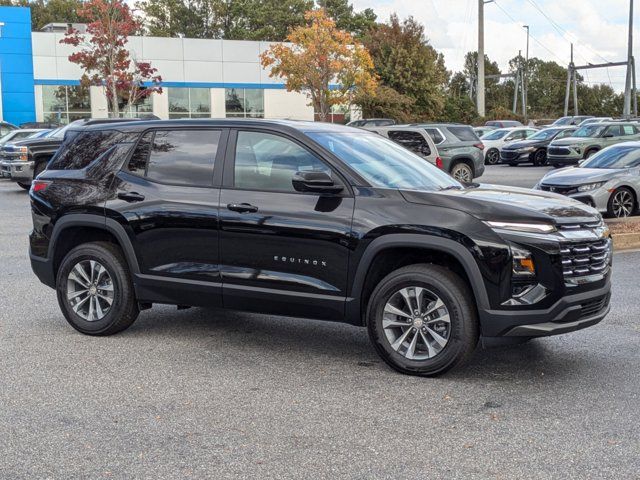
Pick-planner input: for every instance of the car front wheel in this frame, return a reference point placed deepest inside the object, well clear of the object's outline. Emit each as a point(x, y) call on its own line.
point(95, 291)
point(421, 320)
point(540, 158)
point(621, 203)
point(492, 157)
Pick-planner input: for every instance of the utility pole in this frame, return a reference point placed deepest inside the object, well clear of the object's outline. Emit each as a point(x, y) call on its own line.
point(525, 78)
point(570, 74)
point(626, 112)
point(480, 88)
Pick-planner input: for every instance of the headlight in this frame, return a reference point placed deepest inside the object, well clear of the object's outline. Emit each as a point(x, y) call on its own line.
point(23, 153)
point(590, 186)
point(522, 262)
point(523, 227)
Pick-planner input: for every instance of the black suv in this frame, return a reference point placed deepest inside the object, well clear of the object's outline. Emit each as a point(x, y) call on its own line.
point(310, 220)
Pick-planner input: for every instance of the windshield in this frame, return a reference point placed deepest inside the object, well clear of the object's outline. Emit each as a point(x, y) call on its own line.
point(545, 134)
point(563, 121)
point(495, 135)
point(591, 130)
point(620, 156)
point(384, 163)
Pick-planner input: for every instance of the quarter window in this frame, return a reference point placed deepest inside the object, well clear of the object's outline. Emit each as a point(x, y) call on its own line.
point(412, 141)
point(64, 104)
point(180, 157)
point(244, 102)
point(78, 151)
point(189, 103)
point(435, 135)
point(268, 162)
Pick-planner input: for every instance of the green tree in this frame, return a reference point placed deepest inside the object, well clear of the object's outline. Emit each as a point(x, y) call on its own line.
point(342, 12)
point(48, 11)
point(405, 62)
point(386, 103)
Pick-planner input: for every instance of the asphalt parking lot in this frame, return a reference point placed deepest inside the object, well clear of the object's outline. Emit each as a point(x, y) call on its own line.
point(212, 394)
point(525, 176)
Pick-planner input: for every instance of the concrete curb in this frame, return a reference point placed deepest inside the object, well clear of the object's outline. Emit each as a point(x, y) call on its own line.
point(625, 241)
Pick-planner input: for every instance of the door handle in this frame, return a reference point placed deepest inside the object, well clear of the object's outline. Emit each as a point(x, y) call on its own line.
point(242, 207)
point(131, 196)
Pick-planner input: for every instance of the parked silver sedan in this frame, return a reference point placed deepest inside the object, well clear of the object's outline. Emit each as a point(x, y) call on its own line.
point(608, 180)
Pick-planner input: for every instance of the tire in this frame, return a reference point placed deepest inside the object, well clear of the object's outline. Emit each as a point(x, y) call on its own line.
point(622, 203)
point(589, 153)
point(540, 158)
point(25, 186)
point(462, 172)
point(461, 336)
point(492, 157)
point(122, 311)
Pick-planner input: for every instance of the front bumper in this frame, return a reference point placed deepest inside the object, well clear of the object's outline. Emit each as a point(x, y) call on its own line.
point(571, 158)
point(5, 169)
point(513, 156)
point(21, 171)
point(598, 198)
point(569, 313)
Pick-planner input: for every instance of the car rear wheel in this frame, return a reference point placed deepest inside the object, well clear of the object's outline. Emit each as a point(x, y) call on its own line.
point(95, 291)
point(462, 172)
point(621, 203)
point(492, 157)
point(590, 153)
point(540, 158)
point(421, 320)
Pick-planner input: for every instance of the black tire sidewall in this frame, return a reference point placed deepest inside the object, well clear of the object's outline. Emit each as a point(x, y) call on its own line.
point(539, 162)
point(112, 264)
point(458, 337)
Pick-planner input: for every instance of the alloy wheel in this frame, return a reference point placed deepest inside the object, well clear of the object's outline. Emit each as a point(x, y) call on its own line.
point(416, 323)
point(462, 173)
point(493, 156)
point(90, 290)
point(622, 203)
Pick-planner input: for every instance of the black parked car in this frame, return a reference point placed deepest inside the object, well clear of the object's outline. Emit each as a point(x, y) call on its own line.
point(533, 149)
point(310, 220)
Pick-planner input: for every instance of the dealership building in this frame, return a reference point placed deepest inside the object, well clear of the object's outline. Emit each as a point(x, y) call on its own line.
point(200, 78)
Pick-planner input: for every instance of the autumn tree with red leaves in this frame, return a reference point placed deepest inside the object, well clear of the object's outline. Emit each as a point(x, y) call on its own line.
point(103, 55)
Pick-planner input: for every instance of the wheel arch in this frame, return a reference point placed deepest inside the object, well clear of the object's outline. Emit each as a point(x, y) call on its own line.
point(75, 229)
point(424, 249)
point(463, 159)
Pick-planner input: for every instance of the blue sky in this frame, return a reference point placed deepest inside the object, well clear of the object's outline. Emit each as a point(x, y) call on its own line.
point(598, 29)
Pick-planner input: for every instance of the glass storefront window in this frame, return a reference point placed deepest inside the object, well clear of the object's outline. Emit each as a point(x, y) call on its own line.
point(189, 102)
point(244, 102)
point(142, 107)
point(64, 104)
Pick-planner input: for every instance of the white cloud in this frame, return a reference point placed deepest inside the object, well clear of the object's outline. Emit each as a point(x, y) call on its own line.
point(598, 29)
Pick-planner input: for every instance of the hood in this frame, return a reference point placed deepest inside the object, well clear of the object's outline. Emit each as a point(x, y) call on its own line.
point(508, 204)
point(36, 142)
point(524, 144)
point(577, 176)
point(568, 141)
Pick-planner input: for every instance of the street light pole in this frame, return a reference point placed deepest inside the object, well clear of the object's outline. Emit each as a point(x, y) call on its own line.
point(626, 112)
point(480, 88)
point(525, 77)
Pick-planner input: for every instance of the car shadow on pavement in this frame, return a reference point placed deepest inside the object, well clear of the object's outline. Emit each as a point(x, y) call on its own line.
point(301, 339)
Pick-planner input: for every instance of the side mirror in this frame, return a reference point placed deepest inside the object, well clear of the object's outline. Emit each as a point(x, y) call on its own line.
point(315, 182)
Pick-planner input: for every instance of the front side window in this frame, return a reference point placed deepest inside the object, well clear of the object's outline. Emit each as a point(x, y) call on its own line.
point(268, 162)
point(614, 130)
point(189, 102)
point(64, 103)
point(412, 141)
point(179, 157)
point(383, 163)
point(590, 131)
point(244, 102)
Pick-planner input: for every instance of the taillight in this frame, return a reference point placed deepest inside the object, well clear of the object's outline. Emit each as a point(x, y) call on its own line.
point(39, 185)
point(439, 163)
point(479, 145)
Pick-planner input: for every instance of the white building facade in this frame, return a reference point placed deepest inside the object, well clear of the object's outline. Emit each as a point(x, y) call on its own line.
point(200, 78)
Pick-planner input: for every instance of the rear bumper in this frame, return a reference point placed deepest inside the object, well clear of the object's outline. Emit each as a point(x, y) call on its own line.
point(43, 268)
point(570, 313)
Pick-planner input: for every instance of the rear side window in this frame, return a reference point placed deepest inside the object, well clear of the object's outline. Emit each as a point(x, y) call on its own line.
point(628, 130)
point(464, 134)
point(412, 141)
point(78, 151)
point(179, 157)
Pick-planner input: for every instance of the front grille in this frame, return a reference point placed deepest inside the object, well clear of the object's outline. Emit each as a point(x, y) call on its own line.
point(509, 154)
point(561, 189)
point(593, 306)
point(558, 151)
point(585, 258)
